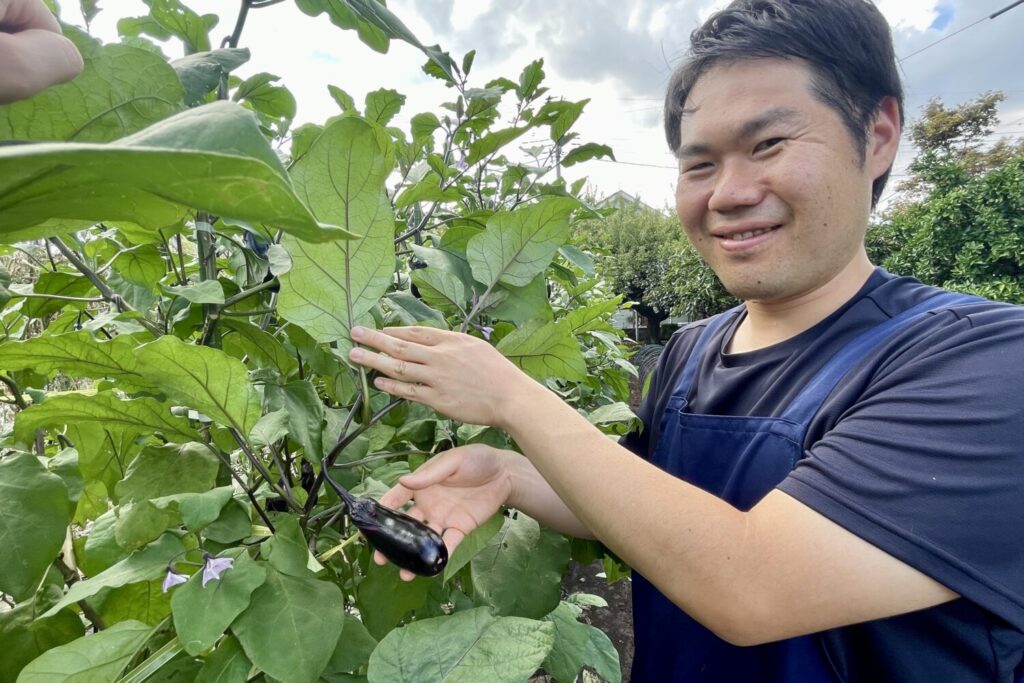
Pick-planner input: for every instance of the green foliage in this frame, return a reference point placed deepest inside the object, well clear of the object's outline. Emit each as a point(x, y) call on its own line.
point(965, 231)
point(649, 261)
point(174, 349)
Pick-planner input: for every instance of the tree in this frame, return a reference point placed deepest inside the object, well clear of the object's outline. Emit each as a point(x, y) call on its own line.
point(648, 261)
point(960, 228)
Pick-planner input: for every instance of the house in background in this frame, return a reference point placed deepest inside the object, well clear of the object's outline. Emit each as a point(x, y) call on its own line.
point(623, 200)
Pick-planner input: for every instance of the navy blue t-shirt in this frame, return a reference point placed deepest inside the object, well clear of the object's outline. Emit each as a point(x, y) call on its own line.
point(919, 450)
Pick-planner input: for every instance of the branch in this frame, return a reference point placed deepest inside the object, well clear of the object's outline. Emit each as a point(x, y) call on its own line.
point(71, 577)
point(248, 491)
point(15, 390)
point(245, 294)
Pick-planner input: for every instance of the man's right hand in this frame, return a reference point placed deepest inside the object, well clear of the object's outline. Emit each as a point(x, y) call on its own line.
point(33, 53)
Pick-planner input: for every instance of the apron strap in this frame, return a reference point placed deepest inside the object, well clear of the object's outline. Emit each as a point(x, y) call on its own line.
point(809, 401)
point(682, 389)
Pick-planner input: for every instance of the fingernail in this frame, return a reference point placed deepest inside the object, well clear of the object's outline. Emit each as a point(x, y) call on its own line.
point(356, 354)
point(358, 332)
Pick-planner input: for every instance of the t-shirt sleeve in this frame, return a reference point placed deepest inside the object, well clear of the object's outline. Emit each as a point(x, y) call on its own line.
point(929, 464)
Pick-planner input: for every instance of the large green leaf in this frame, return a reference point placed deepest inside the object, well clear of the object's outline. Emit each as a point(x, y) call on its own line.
point(384, 598)
point(227, 664)
point(263, 349)
point(341, 178)
point(145, 565)
point(203, 378)
point(383, 104)
point(172, 18)
point(77, 355)
point(472, 544)
point(137, 416)
point(34, 517)
point(168, 469)
point(353, 651)
point(517, 246)
point(519, 572)
point(203, 613)
point(286, 550)
point(96, 658)
point(143, 266)
point(578, 645)
point(58, 283)
point(545, 350)
point(144, 601)
point(212, 158)
point(121, 91)
point(467, 647)
point(291, 626)
point(23, 637)
point(305, 411)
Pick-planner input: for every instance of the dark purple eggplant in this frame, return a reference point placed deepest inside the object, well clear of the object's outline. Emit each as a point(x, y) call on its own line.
point(404, 540)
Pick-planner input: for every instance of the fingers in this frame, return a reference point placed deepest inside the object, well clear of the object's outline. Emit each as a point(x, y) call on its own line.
point(407, 347)
point(433, 471)
point(22, 15)
point(396, 497)
point(420, 393)
point(33, 60)
point(452, 538)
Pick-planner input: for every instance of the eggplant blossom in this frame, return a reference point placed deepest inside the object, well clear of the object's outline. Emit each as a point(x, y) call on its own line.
point(213, 567)
point(172, 579)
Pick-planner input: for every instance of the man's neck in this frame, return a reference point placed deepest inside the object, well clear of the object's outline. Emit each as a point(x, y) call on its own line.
point(768, 323)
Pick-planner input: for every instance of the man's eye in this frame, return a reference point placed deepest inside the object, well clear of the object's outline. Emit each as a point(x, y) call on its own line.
point(698, 167)
point(768, 144)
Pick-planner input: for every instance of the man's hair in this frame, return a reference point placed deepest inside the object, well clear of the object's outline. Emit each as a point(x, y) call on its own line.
point(846, 43)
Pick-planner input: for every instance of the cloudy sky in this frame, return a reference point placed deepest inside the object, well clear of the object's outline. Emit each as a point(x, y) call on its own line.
point(618, 53)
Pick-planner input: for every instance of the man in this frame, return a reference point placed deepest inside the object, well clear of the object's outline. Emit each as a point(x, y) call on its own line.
point(33, 53)
point(831, 485)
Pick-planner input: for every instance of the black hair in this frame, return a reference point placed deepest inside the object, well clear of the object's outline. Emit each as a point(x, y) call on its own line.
point(846, 43)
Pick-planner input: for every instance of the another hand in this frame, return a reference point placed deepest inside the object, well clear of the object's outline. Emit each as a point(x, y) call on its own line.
point(454, 492)
point(457, 375)
point(33, 53)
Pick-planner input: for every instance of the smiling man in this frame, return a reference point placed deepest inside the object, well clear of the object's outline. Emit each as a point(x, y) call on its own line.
point(830, 483)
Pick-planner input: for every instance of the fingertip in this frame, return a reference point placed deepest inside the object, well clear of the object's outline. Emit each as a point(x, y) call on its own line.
point(379, 558)
point(406, 575)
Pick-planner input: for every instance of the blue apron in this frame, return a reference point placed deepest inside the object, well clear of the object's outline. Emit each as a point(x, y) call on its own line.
point(740, 460)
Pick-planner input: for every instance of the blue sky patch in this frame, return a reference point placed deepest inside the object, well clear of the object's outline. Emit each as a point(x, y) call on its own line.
point(944, 15)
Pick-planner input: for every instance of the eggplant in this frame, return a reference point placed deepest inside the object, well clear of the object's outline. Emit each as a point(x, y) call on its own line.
point(404, 540)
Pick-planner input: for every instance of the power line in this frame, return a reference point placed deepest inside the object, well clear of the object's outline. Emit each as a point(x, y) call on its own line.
point(990, 16)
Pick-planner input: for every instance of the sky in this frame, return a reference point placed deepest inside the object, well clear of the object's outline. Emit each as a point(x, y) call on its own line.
point(618, 53)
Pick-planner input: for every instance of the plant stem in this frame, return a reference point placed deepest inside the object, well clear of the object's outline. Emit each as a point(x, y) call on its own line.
point(59, 297)
point(245, 294)
point(377, 456)
point(71, 577)
point(250, 312)
point(264, 472)
point(104, 289)
point(248, 491)
point(15, 391)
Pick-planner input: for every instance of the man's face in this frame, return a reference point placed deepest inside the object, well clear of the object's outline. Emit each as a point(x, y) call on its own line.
point(771, 192)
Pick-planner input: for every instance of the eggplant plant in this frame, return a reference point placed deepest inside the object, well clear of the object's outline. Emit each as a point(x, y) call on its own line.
point(180, 268)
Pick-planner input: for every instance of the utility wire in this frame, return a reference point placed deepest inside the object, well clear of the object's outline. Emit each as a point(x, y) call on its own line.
point(990, 16)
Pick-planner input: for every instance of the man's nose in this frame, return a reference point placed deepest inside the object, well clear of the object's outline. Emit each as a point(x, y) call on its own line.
point(738, 184)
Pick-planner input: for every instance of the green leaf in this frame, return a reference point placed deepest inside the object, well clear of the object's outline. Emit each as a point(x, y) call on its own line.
point(305, 415)
point(109, 100)
point(384, 598)
point(427, 190)
point(530, 80)
point(286, 550)
point(342, 15)
point(23, 638)
point(467, 647)
point(424, 125)
point(143, 265)
point(141, 523)
point(144, 601)
point(517, 246)
point(181, 22)
point(614, 412)
point(202, 72)
point(168, 469)
point(411, 311)
point(95, 658)
point(472, 544)
point(270, 428)
point(275, 103)
point(227, 664)
point(198, 510)
point(263, 349)
point(543, 350)
point(382, 105)
point(145, 565)
point(594, 317)
point(492, 142)
point(77, 355)
point(353, 650)
point(291, 627)
point(205, 292)
point(34, 517)
point(519, 572)
point(586, 152)
point(61, 284)
point(203, 378)
point(343, 99)
point(524, 303)
point(101, 550)
point(203, 613)
point(232, 525)
point(331, 286)
point(149, 178)
point(578, 645)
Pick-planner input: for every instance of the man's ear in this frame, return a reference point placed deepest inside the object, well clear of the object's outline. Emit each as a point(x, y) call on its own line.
point(884, 137)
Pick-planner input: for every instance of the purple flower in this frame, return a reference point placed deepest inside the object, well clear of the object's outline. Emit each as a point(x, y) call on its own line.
point(486, 332)
point(461, 163)
point(172, 579)
point(213, 567)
